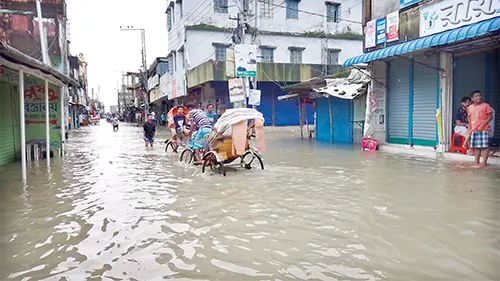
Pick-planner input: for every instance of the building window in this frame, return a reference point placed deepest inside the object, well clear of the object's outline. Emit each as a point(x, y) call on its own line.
point(180, 11)
point(266, 9)
point(333, 56)
point(170, 65)
point(296, 55)
point(332, 12)
point(292, 9)
point(267, 54)
point(169, 19)
point(180, 55)
point(220, 6)
point(220, 53)
point(173, 15)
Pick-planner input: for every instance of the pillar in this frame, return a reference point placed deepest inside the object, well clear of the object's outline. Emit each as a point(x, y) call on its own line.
point(23, 125)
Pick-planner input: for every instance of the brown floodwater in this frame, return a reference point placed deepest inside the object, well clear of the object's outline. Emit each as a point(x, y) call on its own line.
point(113, 210)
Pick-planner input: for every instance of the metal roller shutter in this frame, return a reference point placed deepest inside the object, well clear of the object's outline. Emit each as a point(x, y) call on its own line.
point(7, 128)
point(398, 101)
point(425, 91)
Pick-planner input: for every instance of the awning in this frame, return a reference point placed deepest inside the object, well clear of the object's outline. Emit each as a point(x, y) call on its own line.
point(16, 60)
point(443, 38)
point(347, 88)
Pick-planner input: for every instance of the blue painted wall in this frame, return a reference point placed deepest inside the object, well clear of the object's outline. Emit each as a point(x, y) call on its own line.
point(342, 114)
point(286, 112)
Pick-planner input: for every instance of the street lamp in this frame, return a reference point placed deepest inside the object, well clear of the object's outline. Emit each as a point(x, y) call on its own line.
point(144, 63)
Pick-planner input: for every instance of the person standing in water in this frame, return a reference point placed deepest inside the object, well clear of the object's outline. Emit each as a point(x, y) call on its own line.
point(115, 121)
point(149, 131)
point(480, 116)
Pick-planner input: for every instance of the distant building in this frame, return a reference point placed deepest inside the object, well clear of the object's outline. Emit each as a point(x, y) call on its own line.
point(295, 42)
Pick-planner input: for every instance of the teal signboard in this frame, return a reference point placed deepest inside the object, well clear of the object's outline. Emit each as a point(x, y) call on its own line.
point(405, 3)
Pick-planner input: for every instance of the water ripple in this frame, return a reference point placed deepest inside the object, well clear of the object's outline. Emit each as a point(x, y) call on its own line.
point(113, 210)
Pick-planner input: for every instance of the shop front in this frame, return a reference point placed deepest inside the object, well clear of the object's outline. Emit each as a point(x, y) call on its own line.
point(413, 97)
point(425, 78)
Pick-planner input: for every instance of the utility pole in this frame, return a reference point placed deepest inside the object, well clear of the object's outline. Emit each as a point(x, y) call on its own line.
point(92, 109)
point(240, 39)
point(144, 73)
point(43, 38)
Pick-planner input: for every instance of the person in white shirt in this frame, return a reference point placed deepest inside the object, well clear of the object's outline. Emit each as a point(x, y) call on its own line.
point(115, 121)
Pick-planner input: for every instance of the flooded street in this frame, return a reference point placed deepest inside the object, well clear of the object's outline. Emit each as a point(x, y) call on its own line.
point(113, 210)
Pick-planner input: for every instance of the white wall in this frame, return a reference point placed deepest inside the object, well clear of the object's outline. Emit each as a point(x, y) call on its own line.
point(200, 49)
point(312, 17)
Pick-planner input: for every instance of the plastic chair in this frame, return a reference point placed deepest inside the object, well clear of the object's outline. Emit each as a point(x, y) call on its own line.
point(457, 144)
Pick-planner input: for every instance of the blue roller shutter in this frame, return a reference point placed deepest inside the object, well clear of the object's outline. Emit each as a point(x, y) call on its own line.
point(425, 96)
point(469, 74)
point(324, 131)
point(8, 131)
point(398, 101)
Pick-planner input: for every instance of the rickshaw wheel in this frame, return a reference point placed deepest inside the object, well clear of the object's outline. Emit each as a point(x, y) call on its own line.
point(187, 156)
point(173, 145)
point(253, 156)
point(209, 160)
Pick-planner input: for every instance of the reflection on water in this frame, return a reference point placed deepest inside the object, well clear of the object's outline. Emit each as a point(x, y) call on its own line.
point(113, 210)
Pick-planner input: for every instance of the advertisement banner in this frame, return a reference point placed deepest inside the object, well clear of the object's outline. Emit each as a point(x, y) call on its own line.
point(245, 60)
point(164, 85)
point(230, 63)
point(392, 27)
point(406, 3)
point(450, 14)
point(236, 90)
point(254, 97)
point(381, 30)
point(370, 37)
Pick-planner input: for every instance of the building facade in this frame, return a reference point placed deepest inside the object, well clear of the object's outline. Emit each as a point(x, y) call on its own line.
point(424, 57)
point(295, 42)
point(41, 89)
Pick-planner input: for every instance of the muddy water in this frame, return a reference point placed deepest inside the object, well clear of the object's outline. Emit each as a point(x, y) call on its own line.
point(113, 210)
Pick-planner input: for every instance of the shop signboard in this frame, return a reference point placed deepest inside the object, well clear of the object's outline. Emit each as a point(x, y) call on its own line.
point(392, 27)
point(451, 14)
point(245, 60)
point(381, 28)
point(164, 85)
point(406, 3)
point(35, 108)
point(178, 85)
point(370, 37)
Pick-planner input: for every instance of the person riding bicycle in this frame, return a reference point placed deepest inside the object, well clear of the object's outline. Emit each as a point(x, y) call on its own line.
point(199, 120)
point(179, 124)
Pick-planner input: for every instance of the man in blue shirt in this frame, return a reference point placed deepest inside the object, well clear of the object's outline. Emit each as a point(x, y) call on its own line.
point(211, 115)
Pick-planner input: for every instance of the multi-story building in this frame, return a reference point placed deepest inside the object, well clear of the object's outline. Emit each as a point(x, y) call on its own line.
point(157, 99)
point(296, 41)
point(424, 57)
point(21, 36)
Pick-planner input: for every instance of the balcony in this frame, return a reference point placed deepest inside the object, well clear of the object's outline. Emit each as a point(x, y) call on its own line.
point(266, 72)
point(50, 8)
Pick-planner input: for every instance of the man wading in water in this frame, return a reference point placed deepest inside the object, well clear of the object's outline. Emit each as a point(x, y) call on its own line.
point(149, 131)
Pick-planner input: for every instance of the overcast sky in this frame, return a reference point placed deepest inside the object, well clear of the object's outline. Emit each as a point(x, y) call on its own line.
point(95, 32)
